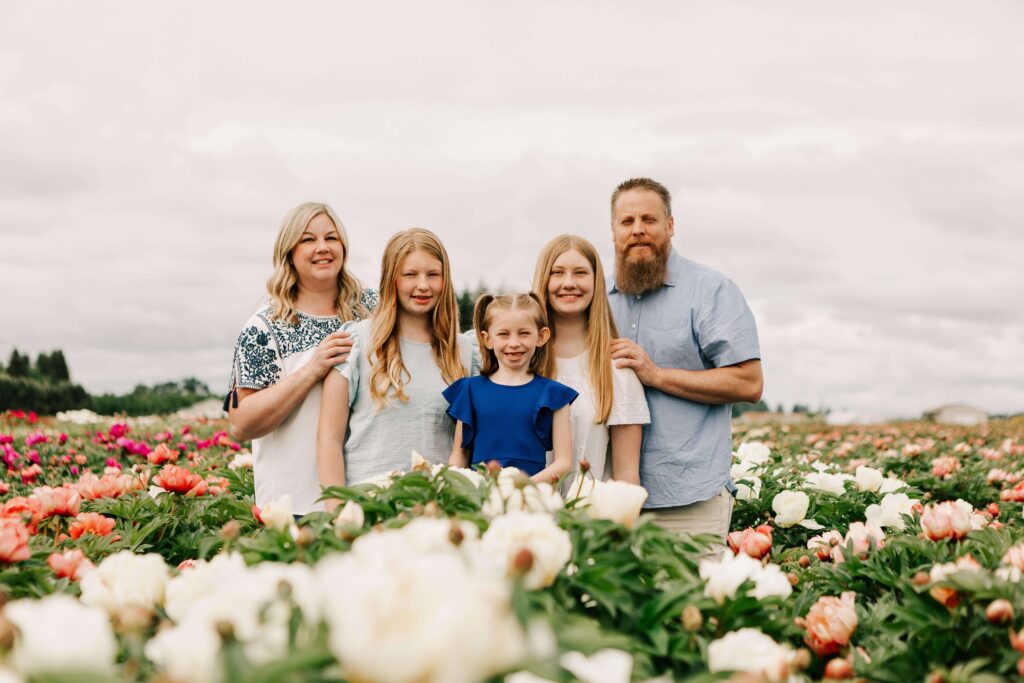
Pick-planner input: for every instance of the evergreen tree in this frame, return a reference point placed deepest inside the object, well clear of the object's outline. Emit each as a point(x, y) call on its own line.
point(18, 365)
point(51, 367)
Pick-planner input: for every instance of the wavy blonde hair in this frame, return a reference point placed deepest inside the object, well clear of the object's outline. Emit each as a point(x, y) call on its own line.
point(483, 313)
point(599, 323)
point(385, 354)
point(283, 285)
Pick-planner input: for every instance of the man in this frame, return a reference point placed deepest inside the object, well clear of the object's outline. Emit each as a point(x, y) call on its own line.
point(690, 337)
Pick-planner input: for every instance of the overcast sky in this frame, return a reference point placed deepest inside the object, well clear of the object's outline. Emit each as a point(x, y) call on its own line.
point(857, 169)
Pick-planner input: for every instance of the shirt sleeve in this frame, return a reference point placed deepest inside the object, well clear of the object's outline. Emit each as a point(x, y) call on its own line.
point(460, 407)
point(349, 368)
point(726, 330)
point(257, 363)
point(370, 298)
point(629, 404)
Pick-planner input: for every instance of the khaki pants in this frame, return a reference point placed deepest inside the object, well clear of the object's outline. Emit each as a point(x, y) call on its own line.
point(710, 516)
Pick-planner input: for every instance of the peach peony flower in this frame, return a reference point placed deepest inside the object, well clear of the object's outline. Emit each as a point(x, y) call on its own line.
point(177, 479)
point(830, 623)
point(71, 564)
point(91, 523)
point(13, 541)
point(948, 597)
point(162, 454)
point(822, 544)
point(1015, 557)
point(945, 520)
point(859, 537)
point(58, 502)
point(945, 466)
point(754, 542)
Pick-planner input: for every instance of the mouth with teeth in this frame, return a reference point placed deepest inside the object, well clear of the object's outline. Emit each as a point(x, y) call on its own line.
point(514, 355)
point(421, 298)
point(323, 261)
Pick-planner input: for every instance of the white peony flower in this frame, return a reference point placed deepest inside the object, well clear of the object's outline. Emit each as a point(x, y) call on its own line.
point(475, 478)
point(760, 654)
point(125, 580)
point(514, 491)
point(548, 545)
point(187, 653)
point(889, 512)
point(771, 581)
point(192, 584)
point(59, 634)
point(604, 666)
point(277, 514)
point(421, 536)
point(725, 575)
point(743, 471)
point(891, 484)
point(753, 452)
point(618, 501)
point(410, 621)
point(791, 509)
point(526, 677)
point(829, 483)
point(351, 515)
point(242, 459)
point(868, 478)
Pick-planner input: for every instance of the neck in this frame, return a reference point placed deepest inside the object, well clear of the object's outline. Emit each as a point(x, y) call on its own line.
point(570, 335)
point(415, 328)
point(317, 300)
point(511, 378)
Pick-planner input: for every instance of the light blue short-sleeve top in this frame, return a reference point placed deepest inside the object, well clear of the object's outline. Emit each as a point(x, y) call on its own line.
point(697, 320)
point(381, 441)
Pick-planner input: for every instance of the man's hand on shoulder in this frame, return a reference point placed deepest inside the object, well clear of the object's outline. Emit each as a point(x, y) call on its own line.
point(628, 354)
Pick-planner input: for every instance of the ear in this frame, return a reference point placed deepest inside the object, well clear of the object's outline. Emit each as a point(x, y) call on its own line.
point(486, 339)
point(544, 336)
point(671, 226)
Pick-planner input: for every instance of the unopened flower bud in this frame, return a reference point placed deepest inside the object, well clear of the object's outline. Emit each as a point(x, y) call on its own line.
point(225, 629)
point(999, 612)
point(922, 579)
point(692, 618)
point(523, 562)
point(493, 468)
point(456, 535)
point(936, 677)
point(231, 531)
point(7, 632)
point(284, 589)
point(801, 659)
point(805, 561)
point(793, 578)
point(993, 509)
point(305, 538)
point(132, 619)
point(1020, 666)
point(584, 466)
point(838, 669)
point(432, 509)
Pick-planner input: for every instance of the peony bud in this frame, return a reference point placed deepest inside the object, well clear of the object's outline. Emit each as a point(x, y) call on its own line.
point(493, 468)
point(838, 669)
point(993, 509)
point(793, 578)
point(999, 612)
point(225, 629)
point(432, 509)
point(305, 538)
point(805, 561)
point(922, 579)
point(523, 562)
point(231, 531)
point(131, 619)
point(692, 618)
point(584, 466)
point(456, 535)
point(800, 660)
point(7, 634)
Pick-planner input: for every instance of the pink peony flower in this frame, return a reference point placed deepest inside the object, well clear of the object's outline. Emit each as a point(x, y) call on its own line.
point(830, 623)
point(945, 466)
point(58, 502)
point(754, 542)
point(1015, 557)
point(71, 564)
point(162, 454)
point(861, 536)
point(177, 479)
point(945, 520)
point(13, 541)
point(822, 544)
point(948, 597)
point(91, 523)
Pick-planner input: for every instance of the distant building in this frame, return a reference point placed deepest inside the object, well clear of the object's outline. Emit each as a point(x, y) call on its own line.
point(957, 414)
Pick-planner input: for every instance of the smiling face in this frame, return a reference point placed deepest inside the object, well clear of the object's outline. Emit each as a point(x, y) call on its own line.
point(570, 284)
point(419, 283)
point(513, 335)
point(319, 255)
point(642, 230)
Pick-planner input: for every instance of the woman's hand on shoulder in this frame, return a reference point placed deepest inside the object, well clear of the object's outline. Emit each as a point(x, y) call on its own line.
point(334, 349)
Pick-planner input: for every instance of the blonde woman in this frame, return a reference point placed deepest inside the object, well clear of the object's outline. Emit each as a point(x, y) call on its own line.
point(385, 400)
point(609, 415)
point(287, 347)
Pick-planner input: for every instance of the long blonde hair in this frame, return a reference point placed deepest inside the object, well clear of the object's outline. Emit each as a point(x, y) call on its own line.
point(385, 354)
point(599, 324)
point(283, 285)
point(483, 311)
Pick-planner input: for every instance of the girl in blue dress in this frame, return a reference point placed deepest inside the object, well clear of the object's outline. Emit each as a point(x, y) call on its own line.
point(510, 413)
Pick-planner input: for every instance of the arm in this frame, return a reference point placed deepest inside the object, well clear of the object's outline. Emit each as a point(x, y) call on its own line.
point(561, 448)
point(728, 384)
point(330, 434)
point(261, 411)
point(625, 442)
point(459, 456)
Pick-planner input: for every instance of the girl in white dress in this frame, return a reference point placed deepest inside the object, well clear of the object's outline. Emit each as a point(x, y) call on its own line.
point(608, 417)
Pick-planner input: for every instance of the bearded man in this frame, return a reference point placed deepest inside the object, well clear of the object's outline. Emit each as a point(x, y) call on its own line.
point(692, 341)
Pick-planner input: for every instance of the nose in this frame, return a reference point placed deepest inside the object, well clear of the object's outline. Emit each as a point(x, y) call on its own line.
point(638, 227)
point(422, 283)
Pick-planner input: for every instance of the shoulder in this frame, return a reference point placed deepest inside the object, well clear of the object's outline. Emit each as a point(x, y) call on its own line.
point(369, 298)
point(704, 277)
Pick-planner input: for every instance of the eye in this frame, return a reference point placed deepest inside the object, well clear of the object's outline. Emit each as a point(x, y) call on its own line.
point(333, 237)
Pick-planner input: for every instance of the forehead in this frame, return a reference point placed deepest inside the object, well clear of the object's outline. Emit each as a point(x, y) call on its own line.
point(571, 259)
point(512, 319)
point(321, 224)
point(639, 201)
point(421, 259)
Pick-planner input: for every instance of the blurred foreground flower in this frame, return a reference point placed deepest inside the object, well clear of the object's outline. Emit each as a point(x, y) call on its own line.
point(749, 650)
point(58, 634)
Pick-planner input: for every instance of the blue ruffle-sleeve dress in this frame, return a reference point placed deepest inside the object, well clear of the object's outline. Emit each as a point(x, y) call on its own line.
point(510, 424)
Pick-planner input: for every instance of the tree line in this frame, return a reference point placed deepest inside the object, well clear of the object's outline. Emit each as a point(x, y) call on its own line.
point(45, 386)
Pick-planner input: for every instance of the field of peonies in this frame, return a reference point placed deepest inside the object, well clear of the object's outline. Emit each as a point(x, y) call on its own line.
point(132, 551)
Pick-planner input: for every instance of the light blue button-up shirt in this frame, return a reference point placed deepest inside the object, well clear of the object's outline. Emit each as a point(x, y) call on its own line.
point(697, 320)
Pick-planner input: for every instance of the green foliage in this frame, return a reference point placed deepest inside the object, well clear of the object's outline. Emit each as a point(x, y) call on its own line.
point(18, 365)
point(159, 399)
point(24, 393)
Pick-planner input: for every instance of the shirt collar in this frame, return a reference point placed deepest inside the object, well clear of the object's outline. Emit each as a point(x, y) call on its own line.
point(675, 265)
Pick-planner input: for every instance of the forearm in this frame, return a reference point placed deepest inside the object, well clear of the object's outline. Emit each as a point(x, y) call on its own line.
point(330, 465)
point(552, 473)
point(261, 412)
point(459, 457)
point(729, 384)
point(625, 442)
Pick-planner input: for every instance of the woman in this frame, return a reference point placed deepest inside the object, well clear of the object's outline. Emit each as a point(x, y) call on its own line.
point(287, 347)
point(385, 401)
point(609, 415)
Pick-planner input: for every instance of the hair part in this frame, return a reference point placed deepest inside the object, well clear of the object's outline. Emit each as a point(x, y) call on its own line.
point(644, 184)
point(283, 285)
point(600, 327)
point(483, 313)
point(388, 374)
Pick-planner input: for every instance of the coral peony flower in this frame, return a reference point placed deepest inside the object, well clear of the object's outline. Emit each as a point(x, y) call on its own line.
point(26, 510)
point(13, 541)
point(945, 520)
point(91, 523)
point(945, 595)
point(830, 623)
point(71, 564)
point(754, 542)
point(162, 454)
point(177, 479)
point(58, 502)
